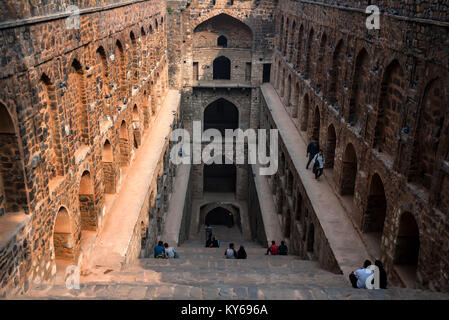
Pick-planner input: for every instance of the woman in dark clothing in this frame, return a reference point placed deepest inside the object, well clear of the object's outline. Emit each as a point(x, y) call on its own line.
point(241, 254)
point(382, 274)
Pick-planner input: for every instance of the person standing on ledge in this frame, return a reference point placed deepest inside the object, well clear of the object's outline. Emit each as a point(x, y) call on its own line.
point(318, 164)
point(312, 150)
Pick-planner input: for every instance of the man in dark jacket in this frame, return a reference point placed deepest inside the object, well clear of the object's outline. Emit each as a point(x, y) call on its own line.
point(283, 250)
point(312, 150)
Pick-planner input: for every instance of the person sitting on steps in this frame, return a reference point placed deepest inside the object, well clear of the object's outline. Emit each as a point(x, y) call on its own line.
point(170, 252)
point(159, 251)
point(358, 278)
point(283, 250)
point(230, 253)
point(273, 249)
point(241, 254)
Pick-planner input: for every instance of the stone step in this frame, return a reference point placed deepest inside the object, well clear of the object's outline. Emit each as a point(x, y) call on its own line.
point(236, 264)
point(207, 291)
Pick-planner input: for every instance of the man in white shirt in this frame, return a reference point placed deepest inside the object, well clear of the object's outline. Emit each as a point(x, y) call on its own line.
point(358, 278)
point(318, 164)
point(169, 252)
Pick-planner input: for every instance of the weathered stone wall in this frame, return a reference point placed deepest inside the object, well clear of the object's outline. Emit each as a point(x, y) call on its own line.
point(377, 103)
point(254, 213)
point(69, 93)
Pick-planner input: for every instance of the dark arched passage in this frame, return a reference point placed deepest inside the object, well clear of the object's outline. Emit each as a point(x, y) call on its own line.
point(220, 216)
point(222, 68)
point(221, 114)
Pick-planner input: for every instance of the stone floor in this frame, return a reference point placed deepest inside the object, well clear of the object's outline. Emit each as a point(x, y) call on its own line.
point(203, 273)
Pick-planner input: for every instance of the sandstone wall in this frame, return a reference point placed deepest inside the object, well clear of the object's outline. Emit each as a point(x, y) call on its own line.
point(79, 101)
point(377, 103)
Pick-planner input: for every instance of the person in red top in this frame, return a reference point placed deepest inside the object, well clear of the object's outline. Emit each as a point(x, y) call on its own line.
point(273, 249)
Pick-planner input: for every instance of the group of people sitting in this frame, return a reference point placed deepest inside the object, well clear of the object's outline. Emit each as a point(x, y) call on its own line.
point(360, 276)
point(275, 250)
point(164, 251)
point(231, 253)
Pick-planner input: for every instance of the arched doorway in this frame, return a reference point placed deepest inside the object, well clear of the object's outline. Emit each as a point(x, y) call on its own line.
point(349, 171)
point(107, 160)
point(287, 224)
point(87, 202)
point(12, 183)
point(221, 115)
point(311, 238)
point(124, 145)
point(305, 113)
point(376, 208)
point(63, 237)
point(222, 68)
point(222, 42)
point(330, 146)
point(220, 216)
point(316, 126)
point(407, 249)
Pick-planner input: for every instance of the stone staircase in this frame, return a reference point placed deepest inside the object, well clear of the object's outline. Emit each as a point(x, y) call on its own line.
point(204, 273)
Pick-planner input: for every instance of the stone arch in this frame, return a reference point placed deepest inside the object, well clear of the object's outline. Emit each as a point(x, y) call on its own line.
point(78, 96)
point(331, 144)
point(315, 132)
point(109, 176)
point(289, 91)
point(295, 103)
point(121, 73)
point(320, 63)
point(221, 115)
point(389, 108)
point(285, 40)
point(222, 68)
point(137, 135)
point(376, 208)
point(232, 15)
point(222, 41)
point(222, 27)
point(49, 101)
point(86, 196)
point(309, 50)
point(311, 238)
point(287, 224)
point(336, 71)
point(429, 131)
point(305, 113)
point(359, 97)
point(124, 144)
point(134, 64)
point(13, 197)
point(230, 207)
point(299, 47)
point(290, 41)
point(281, 34)
point(407, 245)
point(298, 206)
point(63, 236)
point(349, 171)
point(102, 83)
point(282, 82)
